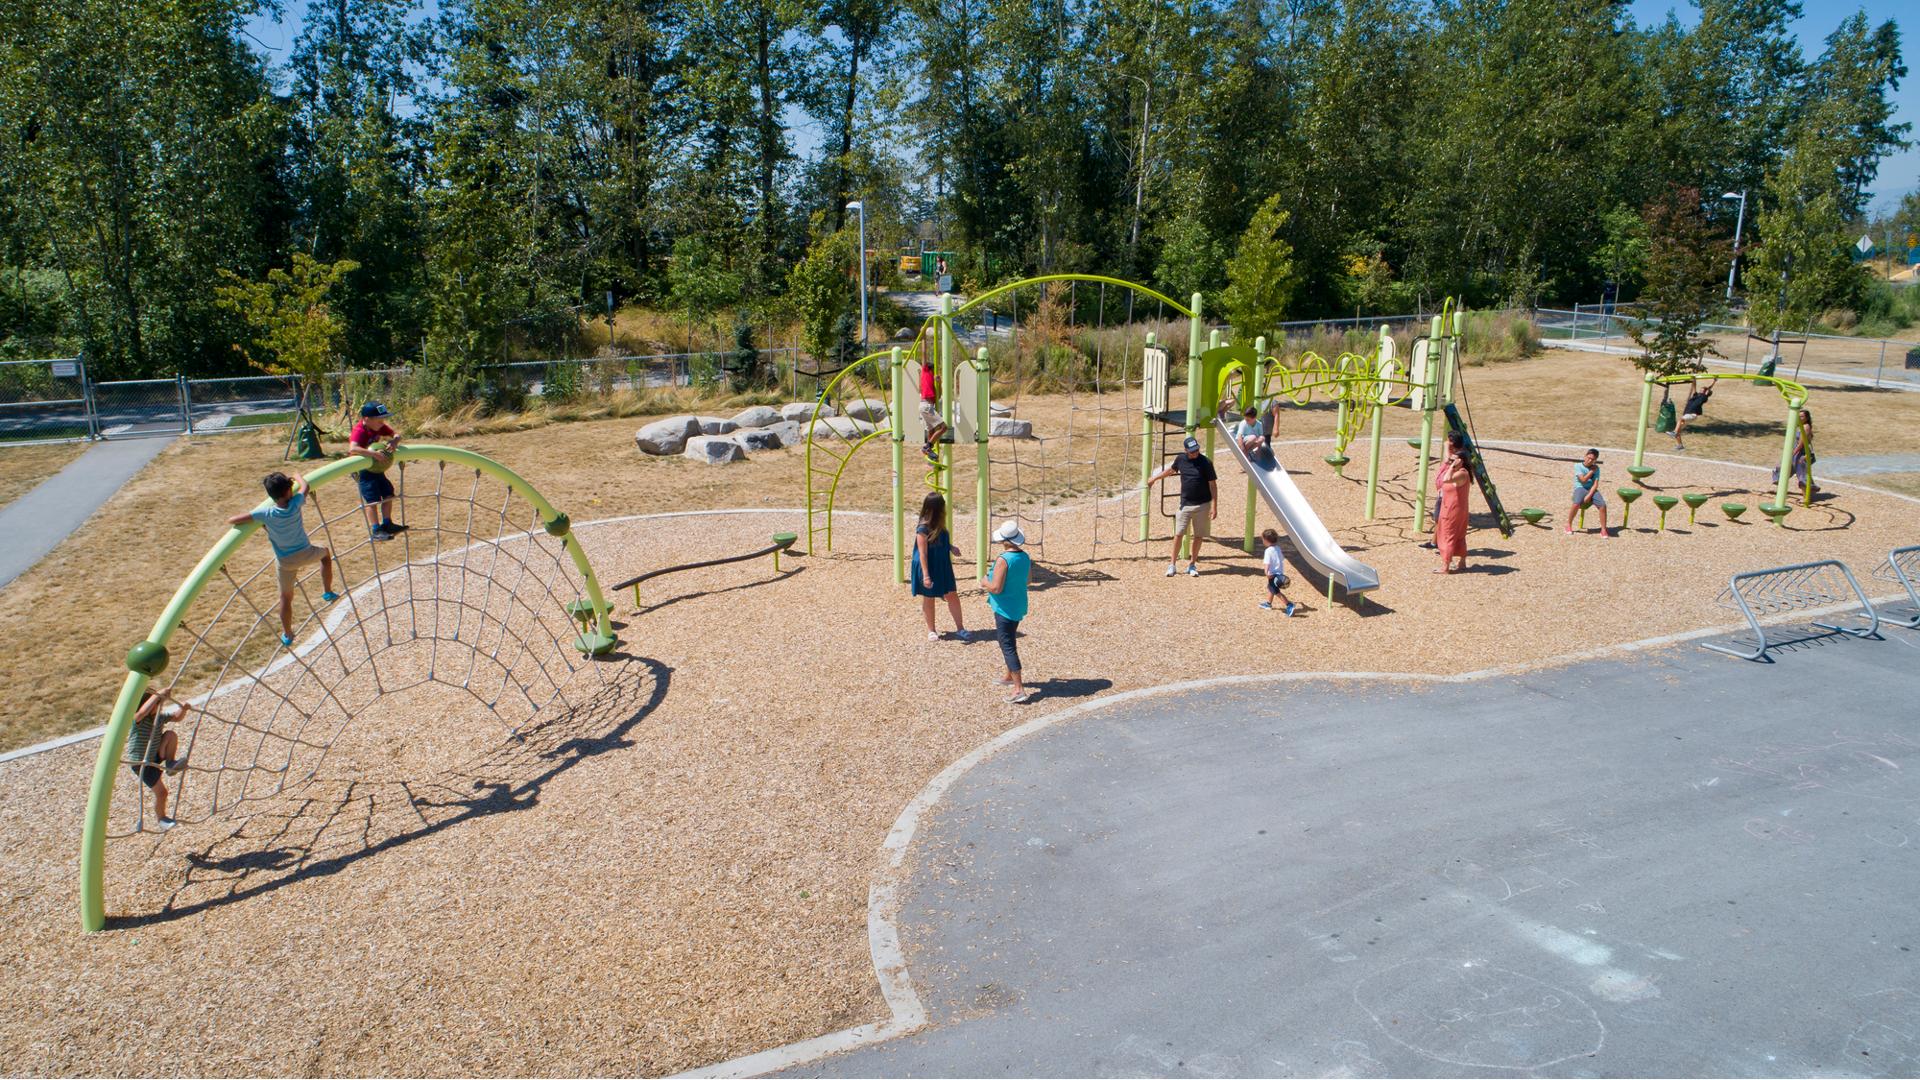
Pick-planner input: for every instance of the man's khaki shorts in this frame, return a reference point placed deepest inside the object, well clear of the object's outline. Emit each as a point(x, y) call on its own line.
point(291, 565)
point(1200, 517)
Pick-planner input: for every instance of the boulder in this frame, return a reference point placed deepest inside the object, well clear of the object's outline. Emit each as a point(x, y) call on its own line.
point(804, 410)
point(757, 417)
point(667, 436)
point(716, 425)
point(715, 449)
point(999, 408)
point(866, 409)
point(759, 439)
point(905, 333)
point(789, 432)
point(1005, 428)
point(847, 427)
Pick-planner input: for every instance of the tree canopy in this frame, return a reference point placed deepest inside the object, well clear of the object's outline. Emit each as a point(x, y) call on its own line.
point(490, 163)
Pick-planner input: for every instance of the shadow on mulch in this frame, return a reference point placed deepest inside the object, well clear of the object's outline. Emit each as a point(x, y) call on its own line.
point(327, 826)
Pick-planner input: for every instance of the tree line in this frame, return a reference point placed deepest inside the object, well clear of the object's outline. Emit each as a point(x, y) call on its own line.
point(511, 163)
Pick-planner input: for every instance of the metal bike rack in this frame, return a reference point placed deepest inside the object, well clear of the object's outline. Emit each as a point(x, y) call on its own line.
point(1783, 590)
point(1902, 567)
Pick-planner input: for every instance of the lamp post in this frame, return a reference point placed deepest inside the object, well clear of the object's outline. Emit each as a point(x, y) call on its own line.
point(1739, 220)
point(1140, 181)
point(861, 207)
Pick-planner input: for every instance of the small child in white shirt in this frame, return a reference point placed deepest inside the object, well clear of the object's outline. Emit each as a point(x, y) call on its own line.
point(1276, 574)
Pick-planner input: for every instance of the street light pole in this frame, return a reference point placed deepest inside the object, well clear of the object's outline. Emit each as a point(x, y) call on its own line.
point(861, 206)
point(1738, 221)
point(1140, 179)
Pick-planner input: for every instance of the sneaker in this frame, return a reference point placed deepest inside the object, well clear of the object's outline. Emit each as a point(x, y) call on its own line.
point(394, 526)
point(329, 596)
point(931, 456)
point(963, 635)
point(287, 640)
point(1193, 569)
point(1291, 606)
point(175, 766)
point(165, 823)
point(1023, 697)
point(1172, 569)
point(378, 534)
point(1266, 605)
point(933, 635)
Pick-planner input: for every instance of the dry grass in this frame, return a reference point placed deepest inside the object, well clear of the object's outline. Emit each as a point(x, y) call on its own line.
point(23, 467)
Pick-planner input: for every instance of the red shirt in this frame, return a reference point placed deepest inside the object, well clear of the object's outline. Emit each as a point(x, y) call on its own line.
point(364, 435)
point(929, 388)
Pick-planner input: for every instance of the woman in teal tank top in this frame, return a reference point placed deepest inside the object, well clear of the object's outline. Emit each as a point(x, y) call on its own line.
point(1007, 595)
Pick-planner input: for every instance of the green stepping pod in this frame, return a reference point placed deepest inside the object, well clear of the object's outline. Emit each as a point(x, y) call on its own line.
point(1775, 511)
point(1533, 514)
point(1694, 501)
point(1627, 495)
point(1665, 503)
point(1640, 472)
point(1734, 510)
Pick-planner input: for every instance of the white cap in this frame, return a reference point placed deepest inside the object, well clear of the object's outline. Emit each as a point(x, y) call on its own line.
point(1009, 533)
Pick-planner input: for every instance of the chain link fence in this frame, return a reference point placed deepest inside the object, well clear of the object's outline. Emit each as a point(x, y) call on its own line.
point(44, 400)
point(1877, 362)
point(53, 400)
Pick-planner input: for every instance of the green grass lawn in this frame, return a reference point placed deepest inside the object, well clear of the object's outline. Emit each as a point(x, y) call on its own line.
point(265, 419)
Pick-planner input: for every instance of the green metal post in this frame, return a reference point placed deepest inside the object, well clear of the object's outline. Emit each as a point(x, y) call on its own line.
point(897, 421)
point(982, 423)
point(1146, 463)
point(1193, 392)
point(943, 477)
point(1250, 387)
point(1432, 396)
point(1373, 449)
point(1786, 457)
point(1640, 429)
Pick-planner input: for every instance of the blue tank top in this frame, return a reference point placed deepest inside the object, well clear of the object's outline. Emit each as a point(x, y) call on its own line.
point(1010, 602)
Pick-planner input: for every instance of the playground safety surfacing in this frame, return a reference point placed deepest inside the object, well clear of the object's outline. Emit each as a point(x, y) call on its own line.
point(1673, 864)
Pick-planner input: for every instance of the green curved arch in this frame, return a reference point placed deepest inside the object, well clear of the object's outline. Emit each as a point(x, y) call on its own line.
point(1096, 278)
point(93, 839)
point(813, 422)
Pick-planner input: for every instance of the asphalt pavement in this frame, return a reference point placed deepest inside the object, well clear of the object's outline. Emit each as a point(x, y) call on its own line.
point(36, 522)
point(1673, 864)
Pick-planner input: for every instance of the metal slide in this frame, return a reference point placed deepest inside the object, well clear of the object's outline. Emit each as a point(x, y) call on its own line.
point(1310, 538)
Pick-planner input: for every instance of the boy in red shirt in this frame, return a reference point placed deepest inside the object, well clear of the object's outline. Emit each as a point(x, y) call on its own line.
point(374, 439)
point(930, 410)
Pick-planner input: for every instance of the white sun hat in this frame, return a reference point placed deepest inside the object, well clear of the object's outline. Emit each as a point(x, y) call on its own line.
point(1009, 533)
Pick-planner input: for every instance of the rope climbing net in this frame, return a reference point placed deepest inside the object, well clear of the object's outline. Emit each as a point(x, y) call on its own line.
point(482, 607)
point(1081, 341)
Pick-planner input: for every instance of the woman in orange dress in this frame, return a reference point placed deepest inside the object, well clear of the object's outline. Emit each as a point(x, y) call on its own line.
point(1450, 524)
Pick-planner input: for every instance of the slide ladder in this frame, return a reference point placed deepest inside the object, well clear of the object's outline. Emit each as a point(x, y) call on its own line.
point(1310, 537)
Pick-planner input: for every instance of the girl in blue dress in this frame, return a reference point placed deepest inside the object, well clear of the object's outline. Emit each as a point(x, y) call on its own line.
point(932, 571)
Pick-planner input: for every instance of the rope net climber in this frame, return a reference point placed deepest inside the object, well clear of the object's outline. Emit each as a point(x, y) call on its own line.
point(1082, 341)
point(464, 616)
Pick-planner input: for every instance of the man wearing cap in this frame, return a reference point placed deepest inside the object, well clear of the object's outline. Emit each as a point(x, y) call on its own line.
point(374, 439)
point(1199, 502)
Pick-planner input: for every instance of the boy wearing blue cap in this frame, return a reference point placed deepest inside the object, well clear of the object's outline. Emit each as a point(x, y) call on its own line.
point(374, 439)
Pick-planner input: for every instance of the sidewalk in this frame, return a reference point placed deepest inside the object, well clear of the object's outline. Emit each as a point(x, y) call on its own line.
point(36, 522)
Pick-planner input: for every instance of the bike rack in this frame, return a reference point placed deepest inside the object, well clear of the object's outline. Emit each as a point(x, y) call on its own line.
point(1902, 567)
point(1811, 586)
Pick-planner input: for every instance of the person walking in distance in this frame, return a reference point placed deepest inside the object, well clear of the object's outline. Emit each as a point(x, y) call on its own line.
point(1199, 502)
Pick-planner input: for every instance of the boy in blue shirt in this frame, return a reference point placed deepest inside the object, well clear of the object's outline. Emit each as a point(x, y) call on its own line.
point(292, 550)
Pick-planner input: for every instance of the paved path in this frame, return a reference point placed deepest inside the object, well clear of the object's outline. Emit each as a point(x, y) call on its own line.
point(1868, 464)
point(36, 522)
point(1675, 864)
point(1891, 379)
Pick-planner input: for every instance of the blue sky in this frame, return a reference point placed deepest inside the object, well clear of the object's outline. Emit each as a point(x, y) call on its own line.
point(1899, 173)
